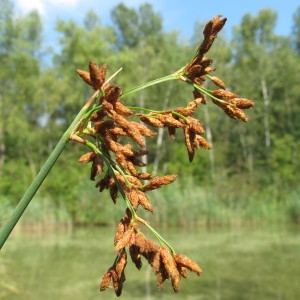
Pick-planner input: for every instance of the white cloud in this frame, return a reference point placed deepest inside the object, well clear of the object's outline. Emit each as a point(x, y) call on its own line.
point(26, 6)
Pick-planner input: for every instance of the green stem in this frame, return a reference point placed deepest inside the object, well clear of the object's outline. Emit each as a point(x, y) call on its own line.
point(150, 83)
point(146, 109)
point(207, 93)
point(181, 116)
point(38, 180)
point(160, 238)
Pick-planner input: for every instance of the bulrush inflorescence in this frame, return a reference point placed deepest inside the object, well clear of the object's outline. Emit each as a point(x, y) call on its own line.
point(102, 129)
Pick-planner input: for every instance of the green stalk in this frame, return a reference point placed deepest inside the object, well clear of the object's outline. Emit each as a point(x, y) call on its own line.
point(38, 180)
point(150, 83)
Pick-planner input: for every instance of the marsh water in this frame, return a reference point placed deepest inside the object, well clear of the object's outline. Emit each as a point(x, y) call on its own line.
point(238, 263)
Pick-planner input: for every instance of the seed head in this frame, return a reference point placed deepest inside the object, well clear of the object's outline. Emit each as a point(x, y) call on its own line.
point(184, 261)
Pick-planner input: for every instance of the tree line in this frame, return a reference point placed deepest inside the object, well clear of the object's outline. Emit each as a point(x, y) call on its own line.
point(40, 94)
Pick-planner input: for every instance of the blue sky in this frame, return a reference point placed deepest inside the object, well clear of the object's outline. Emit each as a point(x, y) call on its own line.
point(180, 15)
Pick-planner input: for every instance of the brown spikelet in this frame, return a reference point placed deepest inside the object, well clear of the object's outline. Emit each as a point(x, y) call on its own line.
point(144, 201)
point(223, 94)
point(192, 105)
point(208, 70)
point(218, 82)
point(121, 228)
point(121, 121)
point(111, 144)
point(103, 126)
point(140, 241)
point(135, 182)
point(206, 62)
point(97, 166)
point(105, 282)
point(169, 120)
point(183, 111)
point(171, 268)
point(198, 95)
point(117, 131)
point(199, 80)
point(145, 131)
point(189, 141)
point(195, 126)
point(151, 246)
point(119, 232)
point(207, 31)
point(156, 262)
point(151, 253)
point(87, 157)
point(107, 108)
point(161, 277)
point(135, 134)
point(124, 241)
point(218, 24)
point(133, 198)
point(117, 282)
point(135, 255)
point(123, 110)
point(112, 93)
point(239, 114)
point(121, 263)
point(182, 271)
point(205, 45)
point(103, 183)
point(137, 162)
point(130, 168)
point(235, 113)
point(151, 120)
point(113, 191)
point(140, 152)
point(85, 75)
point(157, 182)
point(184, 261)
point(242, 103)
point(97, 74)
point(200, 141)
point(97, 116)
point(145, 176)
point(194, 71)
point(126, 150)
point(171, 131)
point(210, 32)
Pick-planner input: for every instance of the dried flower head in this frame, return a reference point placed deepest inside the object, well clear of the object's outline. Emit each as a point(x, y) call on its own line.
point(116, 135)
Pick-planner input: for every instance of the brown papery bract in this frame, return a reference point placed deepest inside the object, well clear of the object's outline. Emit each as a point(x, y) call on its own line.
point(158, 182)
point(105, 282)
point(170, 267)
point(97, 74)
point(184, 261)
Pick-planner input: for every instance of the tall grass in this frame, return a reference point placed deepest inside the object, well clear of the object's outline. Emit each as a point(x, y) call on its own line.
point(182, 203)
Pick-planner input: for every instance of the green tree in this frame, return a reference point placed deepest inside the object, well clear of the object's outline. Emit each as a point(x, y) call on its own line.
point(296, 32)
point(20, 44)
point(133, 26)
point(255, 42)
point(265, 69)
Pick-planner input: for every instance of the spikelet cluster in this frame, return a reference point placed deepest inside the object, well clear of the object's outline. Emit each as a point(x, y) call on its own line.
point(165, 265)
point(116, 165)
point(196, 72)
